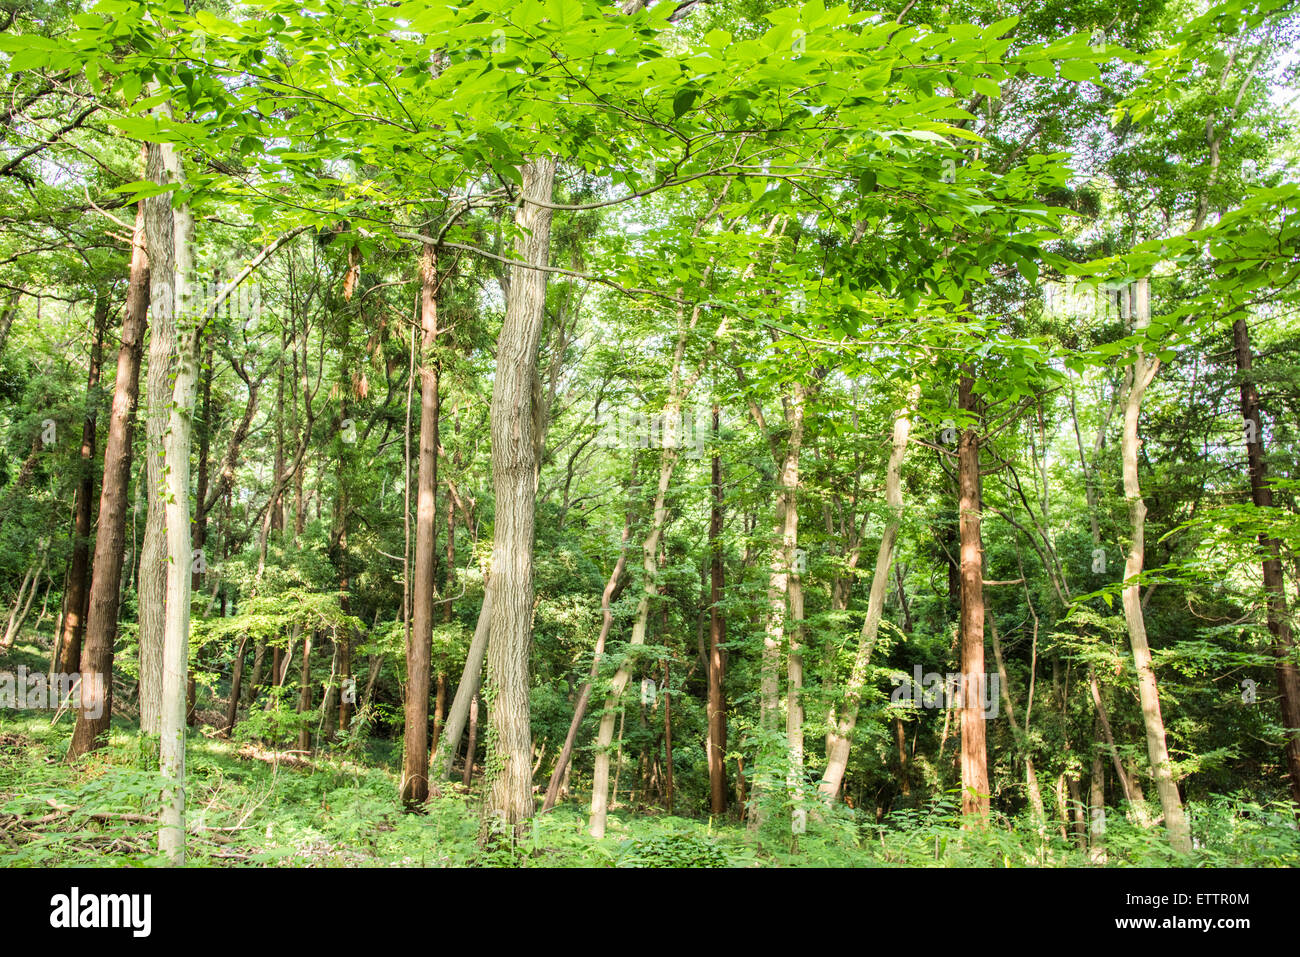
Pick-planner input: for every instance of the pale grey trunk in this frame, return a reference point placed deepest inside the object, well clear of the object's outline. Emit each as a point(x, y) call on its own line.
point(649, 549)
point(160, 240)
point(1140, 376)
point(176, 461)
point(515, 453)
point(471, 679)
point(841, 732)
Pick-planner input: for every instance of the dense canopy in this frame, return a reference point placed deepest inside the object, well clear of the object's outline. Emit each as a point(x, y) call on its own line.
point(649, 433)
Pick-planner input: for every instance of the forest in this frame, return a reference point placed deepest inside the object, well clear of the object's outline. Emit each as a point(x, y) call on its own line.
point(657, 433)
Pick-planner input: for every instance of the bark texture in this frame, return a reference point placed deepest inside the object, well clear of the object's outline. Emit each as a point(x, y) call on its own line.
point(515, 454)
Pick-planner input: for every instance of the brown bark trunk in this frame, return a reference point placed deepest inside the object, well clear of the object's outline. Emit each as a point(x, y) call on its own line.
point(236, 679)
point(974, 752)
point(415, 764)
point(96, 665)
point(77, 593)
point(668, 740)
point(439, 710)
point(717, 704)
point(900, 739)
point(1279, 625)
point(471, 746)
point(199, 533)
point(304, 691)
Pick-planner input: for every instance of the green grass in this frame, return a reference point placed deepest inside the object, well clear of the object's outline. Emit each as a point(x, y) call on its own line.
point(342, 811)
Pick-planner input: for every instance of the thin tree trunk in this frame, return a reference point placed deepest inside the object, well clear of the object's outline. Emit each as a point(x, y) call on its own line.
point(468, 775)
point(77, 593)
point(439, 709)
point(1097, 811)
point(900, 739)
point(794, 712)
point(31, 584)
point(199, 526)
point(304, 690)
point(1022, 736)
point(974, 753)
point(236, 679)
point(8, 312)
point(1140, 376)
point(471, 678)
point(584, 696)
point(786, 533)
point(668, 740)
point(1078, 823)
point(840, 735)
point(415, 763)
point(1279, 625)
point(717, 703)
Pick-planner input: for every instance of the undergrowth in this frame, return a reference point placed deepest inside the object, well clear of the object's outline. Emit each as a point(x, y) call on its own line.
point(340, 810)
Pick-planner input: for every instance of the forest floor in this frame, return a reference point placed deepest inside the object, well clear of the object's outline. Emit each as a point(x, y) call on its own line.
point(249, 805)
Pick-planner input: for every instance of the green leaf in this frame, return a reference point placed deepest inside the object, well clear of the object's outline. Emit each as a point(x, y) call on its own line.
point(684, 100)
point(1080, 70)
point(1045, 68)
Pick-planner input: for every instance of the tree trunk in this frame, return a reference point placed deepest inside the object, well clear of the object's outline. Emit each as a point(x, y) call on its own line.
point(8, 312)
point(1279, 625)
point(96, 665)
point(439, 709)
point(467, 776)
point(1097, 811)
point(717, 703)
point(515, 454)
point(160, 236)
point(584, 696)
point(199, 526)
point(77, 593)
point(840, 735)
point(900, 740)
point(1022, 736)
point(1140, 376)
point(415, 761)
point(974, 753)
point(304, 689)
point(786, 533)
point(668, 740)
point(794, 657)
point(176, 462)
point(236, 679)
point(31, 584)
point(471, 678)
